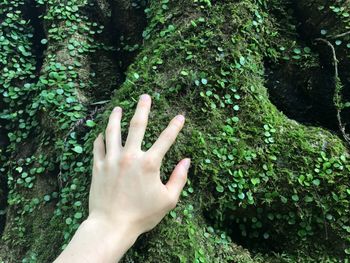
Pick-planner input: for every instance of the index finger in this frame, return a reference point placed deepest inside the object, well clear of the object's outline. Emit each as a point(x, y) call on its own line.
point(167, 137)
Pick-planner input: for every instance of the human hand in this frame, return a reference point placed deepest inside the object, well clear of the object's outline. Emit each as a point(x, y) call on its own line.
point(127, 197)
point(126, 187)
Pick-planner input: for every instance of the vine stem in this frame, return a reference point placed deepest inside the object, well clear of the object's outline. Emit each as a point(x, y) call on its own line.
point(337, 98)
point(342, 34)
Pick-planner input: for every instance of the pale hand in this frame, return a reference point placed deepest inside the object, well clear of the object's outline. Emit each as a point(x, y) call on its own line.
point(127, 196)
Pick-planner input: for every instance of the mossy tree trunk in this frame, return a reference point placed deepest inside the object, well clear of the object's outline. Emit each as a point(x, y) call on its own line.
point(258, 179)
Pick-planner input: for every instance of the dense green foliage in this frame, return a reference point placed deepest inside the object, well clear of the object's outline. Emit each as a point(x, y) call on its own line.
point(258, 178)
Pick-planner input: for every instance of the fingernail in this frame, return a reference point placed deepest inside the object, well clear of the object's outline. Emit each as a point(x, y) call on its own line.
point(187, 163)
point(180, 118)
point(145, 97)
point(117, 109)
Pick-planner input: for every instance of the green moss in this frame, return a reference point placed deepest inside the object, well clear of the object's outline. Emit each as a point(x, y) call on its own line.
point(258, 166)
point(184, 236)
point(255, 175)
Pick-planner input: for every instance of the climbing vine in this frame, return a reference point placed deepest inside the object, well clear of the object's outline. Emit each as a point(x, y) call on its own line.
point(257, 176)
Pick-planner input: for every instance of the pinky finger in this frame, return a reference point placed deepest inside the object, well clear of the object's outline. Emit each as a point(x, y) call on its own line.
point(178, 180)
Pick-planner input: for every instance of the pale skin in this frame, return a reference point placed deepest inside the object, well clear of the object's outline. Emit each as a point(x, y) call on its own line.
point(127, 197)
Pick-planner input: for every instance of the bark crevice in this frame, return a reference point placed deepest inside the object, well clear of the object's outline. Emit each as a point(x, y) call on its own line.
point(33, 13)
point(305, 93)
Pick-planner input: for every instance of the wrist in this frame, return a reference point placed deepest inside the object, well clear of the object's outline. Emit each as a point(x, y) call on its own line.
point(110, 239)
point(113, 227)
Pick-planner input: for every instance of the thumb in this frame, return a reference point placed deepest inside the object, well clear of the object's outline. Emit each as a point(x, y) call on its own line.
point(178, 178)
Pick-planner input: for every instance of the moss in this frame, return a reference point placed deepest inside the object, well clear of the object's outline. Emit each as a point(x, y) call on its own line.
point(184, 236)
point(256, 177)
point(252, 169)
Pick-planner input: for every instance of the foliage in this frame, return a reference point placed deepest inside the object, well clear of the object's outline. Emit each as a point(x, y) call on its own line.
point(256, 175)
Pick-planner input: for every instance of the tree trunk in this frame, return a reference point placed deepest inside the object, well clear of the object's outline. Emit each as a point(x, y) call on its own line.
point(262, 187)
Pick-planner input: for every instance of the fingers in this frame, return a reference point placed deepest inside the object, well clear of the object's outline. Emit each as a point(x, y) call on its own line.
point(138, 123)
point(178, 180)
point(113, 133)
point(167, 137)
point(99, 149)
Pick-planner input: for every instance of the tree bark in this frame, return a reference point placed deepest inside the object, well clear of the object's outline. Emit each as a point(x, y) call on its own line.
point(258, 178)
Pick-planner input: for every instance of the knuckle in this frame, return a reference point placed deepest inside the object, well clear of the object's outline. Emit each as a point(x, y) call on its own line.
point(168, 135)
point(98, 165)
point(110, 160)
point(169, 132)
point(127, 159)
point(150, 163)
point(137, 123)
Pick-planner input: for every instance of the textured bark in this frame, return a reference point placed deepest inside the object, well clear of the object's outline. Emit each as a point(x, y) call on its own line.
point(249, 183)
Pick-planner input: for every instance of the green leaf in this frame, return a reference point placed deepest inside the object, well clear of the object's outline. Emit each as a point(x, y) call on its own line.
point(316, 182)
point(77, 203)
point(297, 51)
point(184, 73)
point(209, 93)
point(295, 198)
point(90, 123)
point(308, 199)
point(255, 181)
point(283, 199)
point(307, 50)
point(136, 75)
point(242, 61)
point(70, 99)
point(220, 188)
point(78, 149)
point(44, 41)
point(78, 215)
point(22, 49)
point(241, 196)
point(59, 91)
point(235, 119)
point(28, 179)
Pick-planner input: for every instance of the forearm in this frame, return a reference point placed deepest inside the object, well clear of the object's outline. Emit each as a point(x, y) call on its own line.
point(96, 242)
